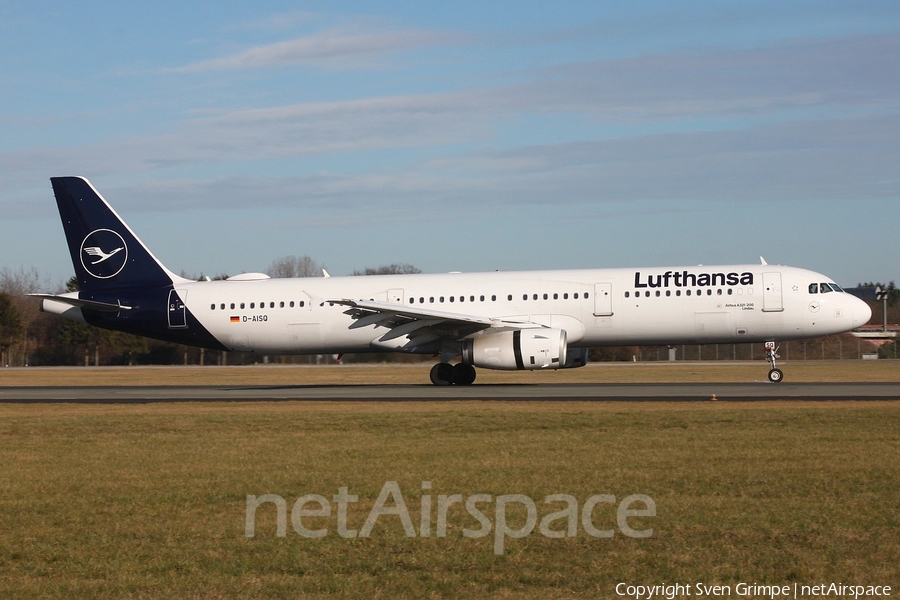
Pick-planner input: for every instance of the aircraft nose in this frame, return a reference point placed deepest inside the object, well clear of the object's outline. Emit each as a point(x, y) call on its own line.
point(861, 313)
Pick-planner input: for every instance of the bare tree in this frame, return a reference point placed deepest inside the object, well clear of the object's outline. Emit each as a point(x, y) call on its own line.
point(294, 266)
point(9, 327)
point(393, 269)
point(18, 284)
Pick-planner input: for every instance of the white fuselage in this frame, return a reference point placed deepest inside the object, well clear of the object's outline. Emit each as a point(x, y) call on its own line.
point(605, 307)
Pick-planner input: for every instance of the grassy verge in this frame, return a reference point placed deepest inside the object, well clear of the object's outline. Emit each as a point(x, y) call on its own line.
point(679, 372)
point(150, 500)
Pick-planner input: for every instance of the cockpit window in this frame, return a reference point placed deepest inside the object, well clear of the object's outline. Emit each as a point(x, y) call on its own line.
point(824, 288)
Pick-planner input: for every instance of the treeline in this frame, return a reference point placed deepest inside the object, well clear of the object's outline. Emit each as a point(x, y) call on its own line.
point(30, 337)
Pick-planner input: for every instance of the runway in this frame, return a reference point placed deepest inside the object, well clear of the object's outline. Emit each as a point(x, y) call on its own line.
point(638, 392)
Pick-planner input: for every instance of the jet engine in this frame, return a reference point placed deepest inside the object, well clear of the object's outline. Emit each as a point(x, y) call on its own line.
point(55, 307)
point(528, 349)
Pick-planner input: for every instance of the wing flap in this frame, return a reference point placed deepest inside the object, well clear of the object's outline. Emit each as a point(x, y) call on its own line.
point(408, 312)
point(420, 325)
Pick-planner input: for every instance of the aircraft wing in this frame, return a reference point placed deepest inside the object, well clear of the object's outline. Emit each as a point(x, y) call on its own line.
point(419, 326)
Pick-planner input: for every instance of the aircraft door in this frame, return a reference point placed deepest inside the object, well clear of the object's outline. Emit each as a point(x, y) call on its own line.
point(603, 299)
point(772, 299)
point(177, 309)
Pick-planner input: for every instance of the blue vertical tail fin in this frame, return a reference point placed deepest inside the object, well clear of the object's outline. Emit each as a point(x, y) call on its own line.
point(105, 252)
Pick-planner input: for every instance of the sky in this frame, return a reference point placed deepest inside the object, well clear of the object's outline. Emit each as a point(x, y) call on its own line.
point(463, 136)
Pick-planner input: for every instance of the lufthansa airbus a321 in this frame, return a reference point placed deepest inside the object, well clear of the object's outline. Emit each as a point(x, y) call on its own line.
point(517, 320)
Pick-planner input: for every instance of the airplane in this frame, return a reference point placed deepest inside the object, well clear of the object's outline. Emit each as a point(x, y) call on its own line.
point(526, 320)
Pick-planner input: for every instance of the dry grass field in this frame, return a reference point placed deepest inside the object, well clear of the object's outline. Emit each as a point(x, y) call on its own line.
point(145, 501)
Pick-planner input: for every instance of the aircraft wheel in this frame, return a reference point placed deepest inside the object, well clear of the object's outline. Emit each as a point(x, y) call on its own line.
point(442, 374)
point(463, 374)
point(775, 375)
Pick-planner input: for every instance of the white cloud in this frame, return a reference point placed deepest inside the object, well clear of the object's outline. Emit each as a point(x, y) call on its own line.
point(858, 71)
point(816, 162)
point(845, 148)
point(334, 48)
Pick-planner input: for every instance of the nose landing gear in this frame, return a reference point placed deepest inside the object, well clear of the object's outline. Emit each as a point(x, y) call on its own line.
point(775, 374)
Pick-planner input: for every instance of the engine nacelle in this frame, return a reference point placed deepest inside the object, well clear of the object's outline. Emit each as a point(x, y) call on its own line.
point(528, 349)
point(55, 307)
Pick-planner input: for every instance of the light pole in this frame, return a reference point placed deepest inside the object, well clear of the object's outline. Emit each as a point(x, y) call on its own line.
point(882, 295)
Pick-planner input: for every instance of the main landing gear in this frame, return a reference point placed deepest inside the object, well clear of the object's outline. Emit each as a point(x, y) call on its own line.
point(446, 374)
point(775, 374)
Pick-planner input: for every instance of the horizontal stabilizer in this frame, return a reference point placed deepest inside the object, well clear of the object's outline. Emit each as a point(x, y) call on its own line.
point(79, 303)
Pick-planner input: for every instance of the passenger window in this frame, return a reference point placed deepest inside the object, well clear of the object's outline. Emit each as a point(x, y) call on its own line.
point(509, 297)
point(242, 305)
point(302, 303)
point(687, 292)
point(585, 295)
point(252, 304)
point(212, 307)
point(566, 296)
point(657, 293)
point(575, 295)
point(232, 306)
point(291, 304)
point(627, 294)
point(534, 297)
point(222, 306)
point(272, 304)
point(556, 296)
point(668, 293)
